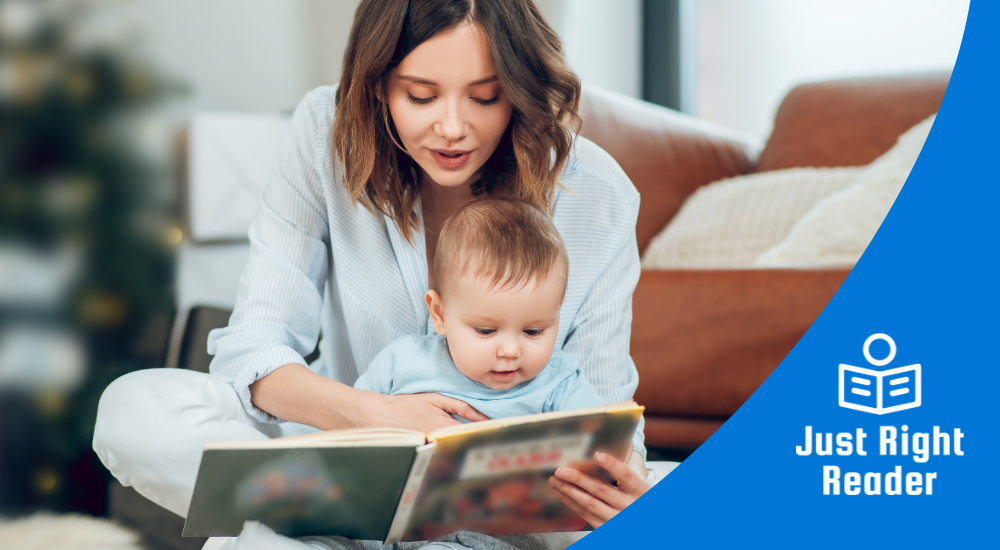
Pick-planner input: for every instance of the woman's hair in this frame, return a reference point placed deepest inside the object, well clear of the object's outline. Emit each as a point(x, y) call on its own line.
point(543, 92)
point(507, 242)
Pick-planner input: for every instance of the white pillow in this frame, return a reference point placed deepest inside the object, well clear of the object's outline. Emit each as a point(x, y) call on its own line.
point(838, 229)
point(729, 223)
point(231, 155)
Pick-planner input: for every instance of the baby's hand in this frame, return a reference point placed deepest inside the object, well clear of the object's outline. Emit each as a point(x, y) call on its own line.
point(594, 499)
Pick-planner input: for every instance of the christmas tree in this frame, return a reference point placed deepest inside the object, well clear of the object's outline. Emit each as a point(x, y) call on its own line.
point(86, 234)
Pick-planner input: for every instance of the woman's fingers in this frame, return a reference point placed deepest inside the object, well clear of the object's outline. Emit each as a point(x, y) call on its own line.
point(628, 481)
point(595, 487)
point(461, 408)
point(419, 411)
point(591, 519)
point(589, 507)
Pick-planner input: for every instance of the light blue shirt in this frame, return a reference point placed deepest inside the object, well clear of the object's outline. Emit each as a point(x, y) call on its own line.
point(422, 364)
point(318, 261)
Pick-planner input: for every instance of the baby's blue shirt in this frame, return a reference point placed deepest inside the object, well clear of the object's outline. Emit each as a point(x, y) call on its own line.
point(422, 364)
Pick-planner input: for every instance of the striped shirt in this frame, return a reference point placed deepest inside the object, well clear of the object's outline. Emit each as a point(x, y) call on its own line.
point(319, 261)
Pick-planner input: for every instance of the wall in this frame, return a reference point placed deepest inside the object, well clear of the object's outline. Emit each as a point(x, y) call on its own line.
point(249, 55)
point(602, 40)
point(264, 55)
point(750, 54)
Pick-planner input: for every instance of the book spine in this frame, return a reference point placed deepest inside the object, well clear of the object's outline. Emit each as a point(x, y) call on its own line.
point(410, 491)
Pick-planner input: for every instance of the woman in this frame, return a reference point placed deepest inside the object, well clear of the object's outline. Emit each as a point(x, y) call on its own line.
point(439, 101)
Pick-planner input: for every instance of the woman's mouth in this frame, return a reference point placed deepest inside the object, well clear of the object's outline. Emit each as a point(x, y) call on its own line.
point(451, 158)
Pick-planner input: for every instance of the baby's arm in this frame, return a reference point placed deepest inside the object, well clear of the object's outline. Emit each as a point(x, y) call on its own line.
point(378, 378)
point(575, 392)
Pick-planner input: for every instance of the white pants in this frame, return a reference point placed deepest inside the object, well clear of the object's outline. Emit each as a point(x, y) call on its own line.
point(152, 426)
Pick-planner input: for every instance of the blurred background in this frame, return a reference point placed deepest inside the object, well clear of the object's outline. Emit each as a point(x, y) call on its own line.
point(108, 106)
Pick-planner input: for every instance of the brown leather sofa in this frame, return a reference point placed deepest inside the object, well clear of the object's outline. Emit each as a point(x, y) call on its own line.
point(704, 340)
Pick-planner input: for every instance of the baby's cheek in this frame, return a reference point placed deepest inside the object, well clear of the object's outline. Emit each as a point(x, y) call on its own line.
point(471, 357)
point(538, 358)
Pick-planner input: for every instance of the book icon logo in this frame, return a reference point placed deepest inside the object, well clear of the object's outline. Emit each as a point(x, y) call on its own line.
point(879, 392)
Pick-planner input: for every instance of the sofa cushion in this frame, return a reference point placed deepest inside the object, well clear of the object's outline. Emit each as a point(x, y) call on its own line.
point(838, 229)
point(729, 223)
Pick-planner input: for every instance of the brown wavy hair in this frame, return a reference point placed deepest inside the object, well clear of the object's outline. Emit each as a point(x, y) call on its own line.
point(543, 92)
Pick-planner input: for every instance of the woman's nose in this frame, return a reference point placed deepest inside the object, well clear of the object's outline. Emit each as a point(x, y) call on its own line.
point(452, 124)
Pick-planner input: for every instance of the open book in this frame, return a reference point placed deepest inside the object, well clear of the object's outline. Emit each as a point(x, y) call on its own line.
point(389, 484)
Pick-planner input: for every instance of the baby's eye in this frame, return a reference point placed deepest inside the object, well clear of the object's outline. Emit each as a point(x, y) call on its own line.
point(485, 331)
point(533, 331)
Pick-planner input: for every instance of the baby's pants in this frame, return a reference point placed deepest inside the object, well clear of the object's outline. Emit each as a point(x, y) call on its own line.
point(152, 426)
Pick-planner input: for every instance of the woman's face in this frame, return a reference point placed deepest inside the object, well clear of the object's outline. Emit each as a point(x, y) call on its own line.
point(447, 106)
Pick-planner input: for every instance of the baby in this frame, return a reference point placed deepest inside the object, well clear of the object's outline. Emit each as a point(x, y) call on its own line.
point(499, 279)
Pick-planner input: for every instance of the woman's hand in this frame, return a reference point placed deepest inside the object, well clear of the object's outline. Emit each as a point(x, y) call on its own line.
point(594, 499)
point(418, 411)
point(295, 393)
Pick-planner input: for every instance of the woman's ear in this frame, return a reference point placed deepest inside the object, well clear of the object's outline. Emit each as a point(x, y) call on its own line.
point(436, 306)
point(381, 89)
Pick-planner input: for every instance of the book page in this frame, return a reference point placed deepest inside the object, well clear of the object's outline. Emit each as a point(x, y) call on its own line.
point(493, 479)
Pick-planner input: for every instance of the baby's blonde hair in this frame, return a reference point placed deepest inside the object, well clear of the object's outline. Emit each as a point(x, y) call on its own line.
point(509, 242)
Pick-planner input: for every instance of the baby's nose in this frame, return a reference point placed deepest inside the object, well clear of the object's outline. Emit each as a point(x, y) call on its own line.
point(509, 349)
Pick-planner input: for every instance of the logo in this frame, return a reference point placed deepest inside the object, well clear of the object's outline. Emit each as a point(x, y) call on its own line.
point(879, 392)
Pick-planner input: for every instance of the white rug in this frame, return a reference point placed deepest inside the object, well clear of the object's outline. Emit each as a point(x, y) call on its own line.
point(44, 531)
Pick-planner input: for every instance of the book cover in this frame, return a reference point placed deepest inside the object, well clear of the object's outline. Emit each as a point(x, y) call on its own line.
point(391, 485)
point(349, 491)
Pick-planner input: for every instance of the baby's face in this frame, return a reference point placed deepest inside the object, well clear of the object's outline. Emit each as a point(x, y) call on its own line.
point(499, 337)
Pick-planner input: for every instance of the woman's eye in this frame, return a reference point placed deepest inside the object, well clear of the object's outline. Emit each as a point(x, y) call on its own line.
point(419, 100)
point(485, 331)
point(493, 101)
point(534, 331)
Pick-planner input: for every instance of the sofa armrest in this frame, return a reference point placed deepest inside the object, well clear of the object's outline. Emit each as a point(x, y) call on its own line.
point(666, 154)
point(849, 122)
point(704, 340)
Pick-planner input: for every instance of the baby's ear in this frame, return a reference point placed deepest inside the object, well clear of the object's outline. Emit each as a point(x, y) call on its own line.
point(436, 306)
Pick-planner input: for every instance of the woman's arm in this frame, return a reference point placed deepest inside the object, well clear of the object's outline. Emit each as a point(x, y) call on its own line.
point(276, 321)
point(598, 225)
point(295, 393)
point(599, 334)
